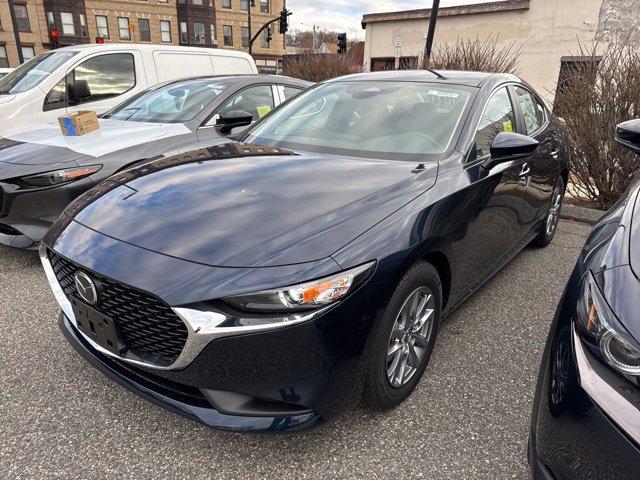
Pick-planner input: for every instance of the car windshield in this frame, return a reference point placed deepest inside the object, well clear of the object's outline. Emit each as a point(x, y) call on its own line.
point(175, 103)
point(403, 120)
point(31, 73)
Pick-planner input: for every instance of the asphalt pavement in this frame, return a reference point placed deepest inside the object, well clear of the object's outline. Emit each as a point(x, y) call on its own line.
point(467, 419)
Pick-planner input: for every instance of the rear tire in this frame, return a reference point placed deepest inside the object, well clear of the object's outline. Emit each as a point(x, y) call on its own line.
point(550, 224)
point(404, 339)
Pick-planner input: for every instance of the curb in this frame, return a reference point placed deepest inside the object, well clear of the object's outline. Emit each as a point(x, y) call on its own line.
point(590, 216)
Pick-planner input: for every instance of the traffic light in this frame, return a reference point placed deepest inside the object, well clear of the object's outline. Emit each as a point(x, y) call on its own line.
point(53, 38)
point(284, 22)
point(99, 40)
point(342, 43)
point(269, 35)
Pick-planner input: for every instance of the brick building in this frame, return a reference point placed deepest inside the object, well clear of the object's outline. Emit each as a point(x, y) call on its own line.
point(207, 23)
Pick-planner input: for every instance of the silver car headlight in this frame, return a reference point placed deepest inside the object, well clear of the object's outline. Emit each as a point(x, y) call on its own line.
point(598, 327)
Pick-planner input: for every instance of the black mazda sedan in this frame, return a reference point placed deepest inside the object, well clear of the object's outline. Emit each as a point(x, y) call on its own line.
point(269, 283)
point(586, 418)
point(42, 171)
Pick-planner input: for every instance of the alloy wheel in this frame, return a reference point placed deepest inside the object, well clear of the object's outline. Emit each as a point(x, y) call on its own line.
point(560, 374)
point(554, 212)
point(410, 336)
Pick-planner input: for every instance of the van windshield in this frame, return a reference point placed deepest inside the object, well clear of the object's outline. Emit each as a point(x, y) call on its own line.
point(177, 102)
point(31, 73)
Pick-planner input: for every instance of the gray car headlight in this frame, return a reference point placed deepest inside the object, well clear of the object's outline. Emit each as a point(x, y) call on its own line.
point(58, 177)
point(304, 296)
point(599, 327)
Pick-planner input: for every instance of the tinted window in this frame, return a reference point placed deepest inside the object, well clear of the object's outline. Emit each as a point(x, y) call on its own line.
point(177, 102)
point(31, 73)
point(290, 92)
point(532, 110)
point(258, 101)
point(107, 75)
point(369, 119)
point(497, 117)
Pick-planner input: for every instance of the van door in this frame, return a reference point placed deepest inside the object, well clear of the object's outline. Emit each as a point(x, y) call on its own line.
point(172, 65)
point(97, 83)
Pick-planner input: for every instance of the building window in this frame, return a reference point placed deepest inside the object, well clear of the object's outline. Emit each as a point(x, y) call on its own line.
point(244, 5)
point(226, 3)
point(83, 25)
point(67, 23)
point(227, 32)
point(198, 32)
point(103, 26)
point(22, 17)
point(213, 35)
point(265, 37)
point(123, 26)
point(4, 61)
point(165, 31)
point(144, 30)
point(245, 37)
point(264, 6)
point(50, 22)
point(28, 53)
point(196, 2)
point(184, 33)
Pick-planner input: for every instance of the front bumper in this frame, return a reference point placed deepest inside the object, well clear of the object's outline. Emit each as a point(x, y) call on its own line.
point(180, 398)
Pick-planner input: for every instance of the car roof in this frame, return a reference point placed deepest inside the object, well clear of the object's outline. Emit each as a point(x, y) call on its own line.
point(243, 78)
point(458, 77)
point(153, 47)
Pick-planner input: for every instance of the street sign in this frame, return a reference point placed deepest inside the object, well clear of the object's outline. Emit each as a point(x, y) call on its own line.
point(397, 41)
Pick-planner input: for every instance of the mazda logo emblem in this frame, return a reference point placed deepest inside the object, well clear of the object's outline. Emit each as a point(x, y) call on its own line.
point(86, 288)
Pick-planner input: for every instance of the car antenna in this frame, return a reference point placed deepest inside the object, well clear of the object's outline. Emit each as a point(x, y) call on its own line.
point(439, 75)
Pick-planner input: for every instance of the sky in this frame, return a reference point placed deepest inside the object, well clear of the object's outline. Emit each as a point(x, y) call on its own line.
point(345, 15)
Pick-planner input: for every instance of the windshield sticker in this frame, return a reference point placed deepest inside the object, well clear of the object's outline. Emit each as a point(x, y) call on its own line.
point(438, 93)
point(263, 110)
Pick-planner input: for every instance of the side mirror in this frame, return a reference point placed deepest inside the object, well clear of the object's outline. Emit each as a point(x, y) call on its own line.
point(79, 90)
point(233, 119)
point(628, 135)
point(508, 146)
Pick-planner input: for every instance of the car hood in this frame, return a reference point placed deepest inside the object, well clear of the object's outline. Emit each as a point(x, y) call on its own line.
point(238, 205)
point(111, 137)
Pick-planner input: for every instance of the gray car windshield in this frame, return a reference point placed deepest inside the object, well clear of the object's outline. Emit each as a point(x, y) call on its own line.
point(371, 119)
point(178, 102)
point(31, 73)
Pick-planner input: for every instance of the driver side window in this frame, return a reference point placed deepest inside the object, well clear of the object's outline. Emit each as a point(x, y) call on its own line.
point(257, 100)
point(498, 117)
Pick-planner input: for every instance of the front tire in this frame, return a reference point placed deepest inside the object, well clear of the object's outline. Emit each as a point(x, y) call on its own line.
point(550, 225)
point(404, 340)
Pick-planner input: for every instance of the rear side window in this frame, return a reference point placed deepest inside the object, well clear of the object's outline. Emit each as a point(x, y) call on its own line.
point(498, 117)
point(106, 76)
point(290, 92)
point(258, 101)
point(532, 110)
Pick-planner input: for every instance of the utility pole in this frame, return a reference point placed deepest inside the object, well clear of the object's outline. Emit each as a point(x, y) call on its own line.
point(433, 18)
point(16, 31)
point(313, 41)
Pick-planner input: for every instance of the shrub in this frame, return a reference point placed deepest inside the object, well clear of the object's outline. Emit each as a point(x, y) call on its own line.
point(318, 67)
point(598, 95)
point(478, 55)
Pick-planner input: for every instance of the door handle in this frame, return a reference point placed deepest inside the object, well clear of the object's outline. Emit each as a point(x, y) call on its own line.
point(525, 171)
point(555, 153)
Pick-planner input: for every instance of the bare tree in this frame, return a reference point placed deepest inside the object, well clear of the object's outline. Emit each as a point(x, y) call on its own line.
point(318, 67)
point(602, 92)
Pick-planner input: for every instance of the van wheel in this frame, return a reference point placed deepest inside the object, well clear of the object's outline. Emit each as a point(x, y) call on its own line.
point(403, 342)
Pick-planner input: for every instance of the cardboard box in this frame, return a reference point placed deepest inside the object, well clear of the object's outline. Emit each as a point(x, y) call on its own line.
point(78, 123)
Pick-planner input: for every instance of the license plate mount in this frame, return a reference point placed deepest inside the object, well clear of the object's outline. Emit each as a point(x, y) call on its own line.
point(98, 327)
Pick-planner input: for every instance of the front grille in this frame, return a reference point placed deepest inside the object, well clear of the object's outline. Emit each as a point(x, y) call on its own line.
point(145, 324)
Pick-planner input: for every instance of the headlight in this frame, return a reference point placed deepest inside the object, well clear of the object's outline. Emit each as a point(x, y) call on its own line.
point(305, 296)
point(600, 328)
point(58, 177)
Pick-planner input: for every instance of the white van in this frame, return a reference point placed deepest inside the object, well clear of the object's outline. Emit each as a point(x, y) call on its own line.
point(100, 76)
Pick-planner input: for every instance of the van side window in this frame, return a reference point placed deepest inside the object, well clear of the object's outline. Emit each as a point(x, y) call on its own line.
point(106, 75)
point(57, 96)
point(498, 117)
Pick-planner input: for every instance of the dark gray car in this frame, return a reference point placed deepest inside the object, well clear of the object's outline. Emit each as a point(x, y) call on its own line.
point(42, 171)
